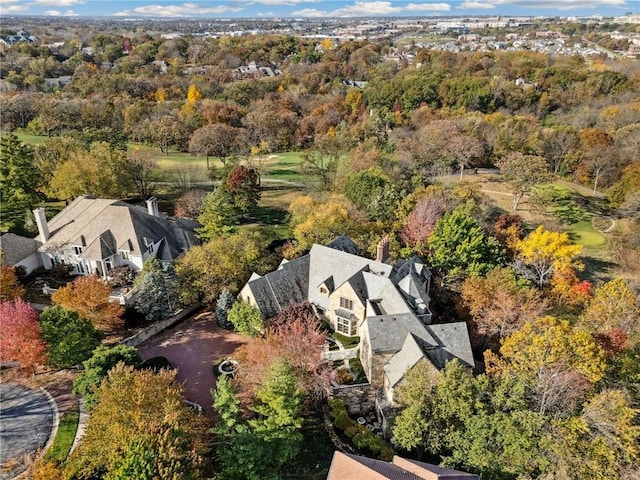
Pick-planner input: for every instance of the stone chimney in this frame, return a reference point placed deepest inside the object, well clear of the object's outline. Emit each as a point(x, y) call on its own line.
point(152, 207)
point(41, 221)
point(382, 253)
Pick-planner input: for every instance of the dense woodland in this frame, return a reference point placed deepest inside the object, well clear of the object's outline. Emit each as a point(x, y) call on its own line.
point(557, 333)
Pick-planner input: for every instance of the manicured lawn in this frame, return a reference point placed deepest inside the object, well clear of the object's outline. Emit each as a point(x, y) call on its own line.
point(31, 139)
point(584, 234)
point(347, 342)
point(64, 437)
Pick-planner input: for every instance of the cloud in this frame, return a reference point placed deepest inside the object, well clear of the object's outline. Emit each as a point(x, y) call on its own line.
point(428, 7)
point(288, 3)
point(185, 10)
point(265, 14)
point(58, 3)
point(358, 9)
point(549, 4)
point(15, 8)
point(58, 13)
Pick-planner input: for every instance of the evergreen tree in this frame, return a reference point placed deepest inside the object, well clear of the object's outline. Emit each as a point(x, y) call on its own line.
point(157, 290)
point(224, 304)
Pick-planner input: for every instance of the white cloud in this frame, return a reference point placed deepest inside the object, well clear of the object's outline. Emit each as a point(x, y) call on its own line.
point(265, 14)
point(58, 13)
point(275, 2)
point(16, 8)
point(428, 7)
point(550, 4)
point(58, 3)
point(358, 9)
point(184, 10)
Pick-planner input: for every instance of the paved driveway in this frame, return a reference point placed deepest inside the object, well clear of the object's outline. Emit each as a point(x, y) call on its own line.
point(26, 420)
point(193, 346)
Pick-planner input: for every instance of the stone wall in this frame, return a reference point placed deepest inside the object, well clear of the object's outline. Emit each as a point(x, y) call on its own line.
point(359, 399)
point(157, 327)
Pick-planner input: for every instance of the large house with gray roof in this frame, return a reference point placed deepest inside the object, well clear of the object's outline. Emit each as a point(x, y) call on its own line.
point(93, 235)
point(387, 306)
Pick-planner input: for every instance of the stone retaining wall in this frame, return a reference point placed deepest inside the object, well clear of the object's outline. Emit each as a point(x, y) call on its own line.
point(157, 327)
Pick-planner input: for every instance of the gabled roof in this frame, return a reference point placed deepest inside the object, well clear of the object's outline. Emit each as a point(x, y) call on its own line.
point(107, 225)
point(342, 266)
point(410, 354)
point(278, 289)
point(346, 466)
point(16, 248)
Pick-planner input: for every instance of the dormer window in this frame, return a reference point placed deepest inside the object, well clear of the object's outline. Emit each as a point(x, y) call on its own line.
point(124, 254)
point(346, 303)
point(324, 290)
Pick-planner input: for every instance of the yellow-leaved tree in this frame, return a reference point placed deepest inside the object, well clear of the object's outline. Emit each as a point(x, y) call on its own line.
point(543, 253)
point(89, 296)
point(559, 363)
point(613, 306)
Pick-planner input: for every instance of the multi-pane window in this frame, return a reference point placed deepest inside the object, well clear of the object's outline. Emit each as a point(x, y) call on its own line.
point(124, 254)
point(346, 303)
point(344, 325)
point(77, 250)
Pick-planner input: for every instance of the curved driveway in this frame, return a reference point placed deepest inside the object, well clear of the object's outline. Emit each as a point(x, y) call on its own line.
point(26, 421)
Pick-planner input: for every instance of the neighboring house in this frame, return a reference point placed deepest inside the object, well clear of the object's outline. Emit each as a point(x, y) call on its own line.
point(256, 71)
point(346, 466)
point(94, 235)
point(386, 306)
point(18, 251)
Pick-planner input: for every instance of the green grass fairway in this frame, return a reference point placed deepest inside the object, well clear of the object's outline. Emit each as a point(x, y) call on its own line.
point(31, 139)
point(584, 234)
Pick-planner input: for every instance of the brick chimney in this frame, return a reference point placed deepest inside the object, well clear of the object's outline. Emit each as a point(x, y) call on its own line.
point(41, 221)
point(382, 253)
point(152, 207)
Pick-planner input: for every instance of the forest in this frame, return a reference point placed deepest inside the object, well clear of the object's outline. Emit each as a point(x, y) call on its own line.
point(515, 176)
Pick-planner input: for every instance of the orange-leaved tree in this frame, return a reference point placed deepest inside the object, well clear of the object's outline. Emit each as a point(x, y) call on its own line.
point(20, 336)
point(89, 296)
point(10, 287)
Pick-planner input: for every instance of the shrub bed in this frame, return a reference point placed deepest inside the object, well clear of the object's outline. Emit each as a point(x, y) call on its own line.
point(362, 438)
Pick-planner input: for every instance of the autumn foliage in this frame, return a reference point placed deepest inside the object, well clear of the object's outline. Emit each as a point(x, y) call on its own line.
point(20, 336)
point(89, 296)
point(294, 336)
point(10, 287)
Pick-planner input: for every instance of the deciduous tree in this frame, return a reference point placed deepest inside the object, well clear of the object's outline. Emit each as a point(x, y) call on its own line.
point(246, 319)
point(10, 287)
point(140, 427)
point(421, 221)
point(294, 334)
point(190, 204)
point(225, 261)
point(242, 184)
point(20, 335)
point(613, 306)
point(499, 305)
point(542, 253)
point(96, 368)
point(523, 172)
point(70, 339)
point(143, 171)
point(219, 140)
point(89, 296)
point(459, 246)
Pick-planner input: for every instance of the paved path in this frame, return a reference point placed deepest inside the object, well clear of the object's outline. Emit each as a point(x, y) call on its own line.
point(26, 421)
point(193, 346)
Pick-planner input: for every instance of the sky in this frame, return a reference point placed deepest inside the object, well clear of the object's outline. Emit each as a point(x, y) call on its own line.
point(315, 8)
